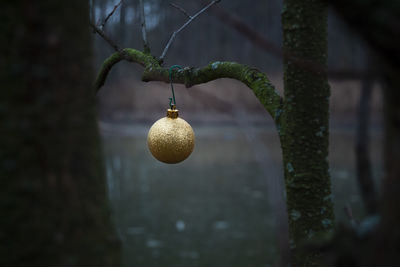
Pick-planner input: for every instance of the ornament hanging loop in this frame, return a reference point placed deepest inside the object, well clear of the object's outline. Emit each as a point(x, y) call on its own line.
point(172, 99)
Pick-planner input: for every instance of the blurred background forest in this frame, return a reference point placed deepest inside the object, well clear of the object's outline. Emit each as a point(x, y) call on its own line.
point(212, 38)
point(227, 198)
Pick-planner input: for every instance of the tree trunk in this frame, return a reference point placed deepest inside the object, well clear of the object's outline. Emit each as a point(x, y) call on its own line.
point(304, 127)
point(301, 117)
point(388, 234)
point(364, 172)
point(52, 195)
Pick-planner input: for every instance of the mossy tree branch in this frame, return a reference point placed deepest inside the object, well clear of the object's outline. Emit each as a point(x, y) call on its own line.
point(301, 117)
point(153, 71)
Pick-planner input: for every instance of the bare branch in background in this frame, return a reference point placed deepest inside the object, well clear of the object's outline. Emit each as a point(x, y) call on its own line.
point(102, 25)
point(144, 32)
point(275, 50)
point(105, 37)
point(164, 53)
point(181, 9)
point(99, 28)
point(246, 30)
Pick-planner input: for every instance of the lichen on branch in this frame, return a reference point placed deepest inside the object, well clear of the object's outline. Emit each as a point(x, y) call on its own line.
point(153, 71)
point(128, 54)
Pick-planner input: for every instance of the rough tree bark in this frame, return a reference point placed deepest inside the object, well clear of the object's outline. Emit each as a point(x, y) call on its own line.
point(304, 129)
point(52, 195)
point(301, 117)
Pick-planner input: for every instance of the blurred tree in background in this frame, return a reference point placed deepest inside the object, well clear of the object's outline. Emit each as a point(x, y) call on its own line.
point(377, 241)
point(52, 197)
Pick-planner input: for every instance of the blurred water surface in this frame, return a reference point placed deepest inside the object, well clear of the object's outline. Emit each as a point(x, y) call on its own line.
point(223, 206)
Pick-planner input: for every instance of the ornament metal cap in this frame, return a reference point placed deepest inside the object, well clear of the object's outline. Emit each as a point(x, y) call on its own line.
point(172, 112)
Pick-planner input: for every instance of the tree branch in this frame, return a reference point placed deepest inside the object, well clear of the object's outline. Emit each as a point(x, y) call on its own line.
point(132, 55)
point(253, 78)
point(146, 47)
point(263, 43)
point(105, 37)
point(110, 14)
point(181, 9)
point(172, 38)
point(247, 31)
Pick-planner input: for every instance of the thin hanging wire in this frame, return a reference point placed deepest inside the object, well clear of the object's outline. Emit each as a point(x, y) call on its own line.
point(172, 86)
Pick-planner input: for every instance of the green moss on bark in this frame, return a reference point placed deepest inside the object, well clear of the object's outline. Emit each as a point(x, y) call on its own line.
point(253, 78)
point(305, 127)
point(301, 118)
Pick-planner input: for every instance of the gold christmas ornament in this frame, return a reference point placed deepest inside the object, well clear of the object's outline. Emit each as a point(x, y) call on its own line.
point(171, 139)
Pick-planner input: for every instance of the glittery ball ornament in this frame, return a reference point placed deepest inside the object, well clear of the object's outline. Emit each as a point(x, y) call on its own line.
point(171, 139)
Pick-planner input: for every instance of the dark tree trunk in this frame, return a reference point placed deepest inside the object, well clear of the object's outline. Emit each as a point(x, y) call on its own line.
point(92, 7)
point(377, 21)
point(388, 235)
point(304, 130)
point(52, 196)
point(379, 244)
point(364, 172)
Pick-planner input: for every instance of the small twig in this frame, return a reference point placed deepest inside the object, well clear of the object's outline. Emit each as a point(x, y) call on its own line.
point(110, 14)
point(181, 9)
point(105, 37)
point(171, 39)
point(144, 32)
